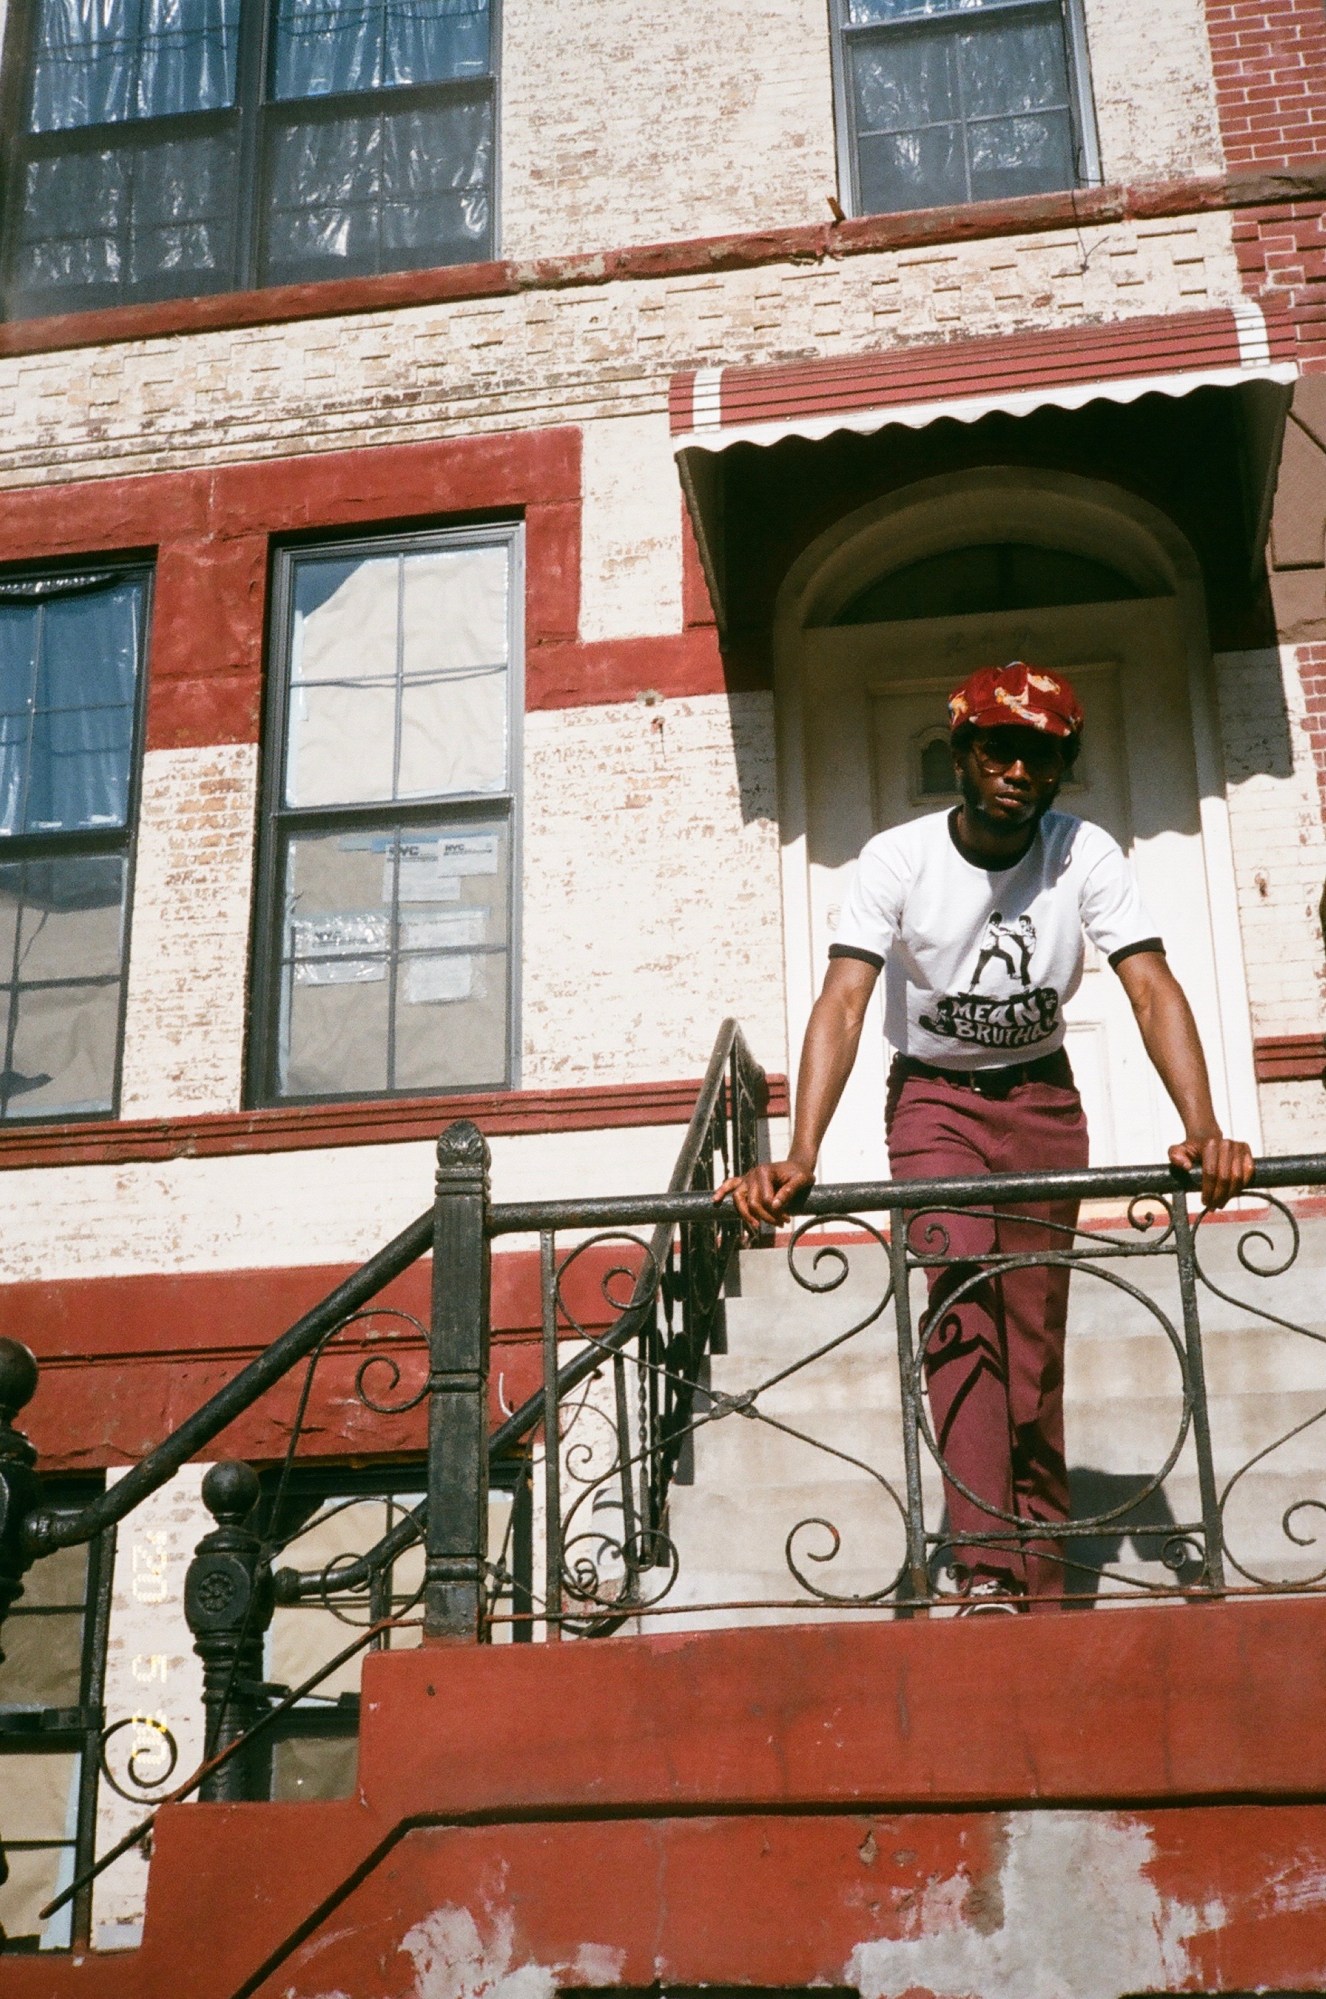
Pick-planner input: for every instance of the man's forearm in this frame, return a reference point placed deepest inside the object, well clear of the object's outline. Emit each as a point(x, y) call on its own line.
point(1169, 1035)
point(832, 1037)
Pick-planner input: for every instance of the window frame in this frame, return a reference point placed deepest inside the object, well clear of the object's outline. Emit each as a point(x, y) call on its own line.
point(29, 1729)
point(252, 115)
point(19, 847)
point(278, 819)
point(841, 30)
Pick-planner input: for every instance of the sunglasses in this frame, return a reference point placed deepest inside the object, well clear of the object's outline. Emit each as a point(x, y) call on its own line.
point(997, 750)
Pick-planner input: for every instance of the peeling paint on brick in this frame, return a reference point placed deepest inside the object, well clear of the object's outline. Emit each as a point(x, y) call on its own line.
point(1080, 1918)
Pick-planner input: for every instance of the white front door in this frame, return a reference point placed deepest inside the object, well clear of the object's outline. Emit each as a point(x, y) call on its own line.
point(873, 705)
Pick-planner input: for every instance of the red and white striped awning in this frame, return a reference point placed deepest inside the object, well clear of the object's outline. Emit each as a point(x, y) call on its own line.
point(1225, 347)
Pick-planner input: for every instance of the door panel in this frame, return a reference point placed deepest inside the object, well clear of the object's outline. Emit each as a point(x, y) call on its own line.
point(873, 701)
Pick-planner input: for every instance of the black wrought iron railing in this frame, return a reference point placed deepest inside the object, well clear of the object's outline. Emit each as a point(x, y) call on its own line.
point(231, 1591)
point(811, 1428)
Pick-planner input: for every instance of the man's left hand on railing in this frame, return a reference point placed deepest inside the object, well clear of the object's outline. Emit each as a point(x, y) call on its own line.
point(1225, 1164)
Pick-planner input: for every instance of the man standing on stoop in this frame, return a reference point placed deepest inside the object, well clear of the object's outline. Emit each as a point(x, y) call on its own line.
point(978, 914)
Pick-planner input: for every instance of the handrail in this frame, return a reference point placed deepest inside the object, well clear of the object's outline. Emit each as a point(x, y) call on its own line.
point(1091, 1183)
point(292, 1584)
point(46, 1529)
point(530, 1413)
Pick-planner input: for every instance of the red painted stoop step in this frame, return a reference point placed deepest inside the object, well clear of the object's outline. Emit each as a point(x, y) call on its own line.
point(866, 1804)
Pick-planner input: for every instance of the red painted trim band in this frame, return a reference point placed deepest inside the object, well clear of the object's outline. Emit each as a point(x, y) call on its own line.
point(305, 1127)
point(1290, 1058)
point(1299, 180)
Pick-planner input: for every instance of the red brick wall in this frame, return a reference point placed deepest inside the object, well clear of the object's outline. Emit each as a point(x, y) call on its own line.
point(1282, 254)
point(1270, 70)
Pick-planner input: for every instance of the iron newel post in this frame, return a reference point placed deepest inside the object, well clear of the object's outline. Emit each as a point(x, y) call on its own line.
point(457, 1543)
point(228, 1601)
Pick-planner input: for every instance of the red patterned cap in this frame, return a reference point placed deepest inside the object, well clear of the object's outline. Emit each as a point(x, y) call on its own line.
point(1017, 696)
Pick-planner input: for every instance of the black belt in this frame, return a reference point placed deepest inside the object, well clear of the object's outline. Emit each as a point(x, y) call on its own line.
point(1055, 1069)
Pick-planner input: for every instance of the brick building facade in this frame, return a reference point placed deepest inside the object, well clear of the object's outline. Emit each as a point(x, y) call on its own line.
point(662, 374)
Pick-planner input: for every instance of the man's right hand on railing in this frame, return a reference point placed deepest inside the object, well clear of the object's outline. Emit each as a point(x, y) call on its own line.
point(763, 1196)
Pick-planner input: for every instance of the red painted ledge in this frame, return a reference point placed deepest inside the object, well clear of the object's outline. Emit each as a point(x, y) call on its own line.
point(312, 1127)
point(334, 298)
point(1290, 1058)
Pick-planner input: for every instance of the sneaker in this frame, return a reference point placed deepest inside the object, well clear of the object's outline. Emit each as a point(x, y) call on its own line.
point(987, 1596)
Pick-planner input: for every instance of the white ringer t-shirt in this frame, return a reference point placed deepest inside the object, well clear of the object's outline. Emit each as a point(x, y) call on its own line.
point(979, 962)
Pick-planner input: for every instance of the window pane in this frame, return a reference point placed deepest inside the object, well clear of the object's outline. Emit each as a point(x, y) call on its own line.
point(1013, 69)
point(65, 752)
point(33, 1879)
point(1021, 156)
point(64, 1045)
point(913, 170)
point(72, 920)
point(905, 82)
point(100, 61)
point(316, 1766)
point(157, 217)
point(399, 681)
point(393, 971)
point(344, 679)
point(38, 1790)
point(56, 1580)
point(386, 191)
point(327, 46)
point(42, 1662)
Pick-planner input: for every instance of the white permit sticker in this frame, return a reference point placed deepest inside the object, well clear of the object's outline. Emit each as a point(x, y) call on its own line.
point(420, 878)
point(444, 930)
point(467, 854)
point(437, 981)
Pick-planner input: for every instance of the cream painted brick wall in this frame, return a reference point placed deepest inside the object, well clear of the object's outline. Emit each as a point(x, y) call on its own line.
point(272, 1210)
point(1280, 865)
point(189, 944)
point(652, 898)
point(630, 565)
point(636, 123)
point(152, 1674)
point(1154, 89)
point(543, 358)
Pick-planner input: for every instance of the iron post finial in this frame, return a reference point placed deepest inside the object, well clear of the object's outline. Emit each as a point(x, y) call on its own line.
point(463, 1154)
point(18, 1380)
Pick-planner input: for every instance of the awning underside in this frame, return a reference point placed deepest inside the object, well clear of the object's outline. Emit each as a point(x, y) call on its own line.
point(1227, 347)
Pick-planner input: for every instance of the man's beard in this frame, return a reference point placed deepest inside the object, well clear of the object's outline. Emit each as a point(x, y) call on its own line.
point(971, 798)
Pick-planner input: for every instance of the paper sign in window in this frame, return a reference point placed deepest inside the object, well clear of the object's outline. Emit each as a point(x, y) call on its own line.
point(420, 878)
point(468, 854)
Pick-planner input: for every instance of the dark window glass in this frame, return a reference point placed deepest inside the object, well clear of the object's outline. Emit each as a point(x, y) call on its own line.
point(70, 665)
point(389, 856)
point(950, 101)
point(50, 1725)
point(991, 576)
point(175, 147)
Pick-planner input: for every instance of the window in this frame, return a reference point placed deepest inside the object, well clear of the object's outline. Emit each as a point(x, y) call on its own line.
point(164, 148)
point(984, 577)
point(71, 652)
point(51, 1690)
point(950, 101)
point(385, 939)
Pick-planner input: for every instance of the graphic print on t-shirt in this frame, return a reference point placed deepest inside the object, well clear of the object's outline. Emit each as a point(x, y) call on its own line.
point(1013, 1020)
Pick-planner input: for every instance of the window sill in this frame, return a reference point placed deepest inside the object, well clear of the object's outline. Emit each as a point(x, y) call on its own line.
point(333, 298)
point(313, 1127)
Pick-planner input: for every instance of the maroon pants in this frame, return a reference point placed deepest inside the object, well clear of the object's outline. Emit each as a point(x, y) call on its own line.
point(994, 1358)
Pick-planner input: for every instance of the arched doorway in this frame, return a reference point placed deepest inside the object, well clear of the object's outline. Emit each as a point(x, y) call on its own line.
point(889, 611)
